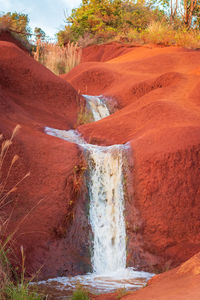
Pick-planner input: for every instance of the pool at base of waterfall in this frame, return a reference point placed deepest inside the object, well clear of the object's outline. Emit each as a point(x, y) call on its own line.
point(127, 279)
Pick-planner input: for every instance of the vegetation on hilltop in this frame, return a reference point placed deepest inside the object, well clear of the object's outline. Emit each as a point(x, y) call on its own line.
point(126, 20)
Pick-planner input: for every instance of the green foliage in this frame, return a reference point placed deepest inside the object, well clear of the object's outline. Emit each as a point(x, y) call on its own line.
point(39, 34)
point(65, 36)
point(104, 19)
point(20, 292)
point(17, 23)
point(80, 294)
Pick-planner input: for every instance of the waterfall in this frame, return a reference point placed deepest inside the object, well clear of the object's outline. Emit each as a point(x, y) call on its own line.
point(106, 212)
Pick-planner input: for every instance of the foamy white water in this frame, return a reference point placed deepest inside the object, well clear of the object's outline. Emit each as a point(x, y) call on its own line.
point(106, 213)
point(128, 279)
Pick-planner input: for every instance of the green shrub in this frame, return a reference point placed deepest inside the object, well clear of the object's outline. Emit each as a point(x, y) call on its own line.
point(19, 292)
point(80, 294)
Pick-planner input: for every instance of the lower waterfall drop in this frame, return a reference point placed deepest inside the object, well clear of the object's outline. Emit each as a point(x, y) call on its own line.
point(106, 214)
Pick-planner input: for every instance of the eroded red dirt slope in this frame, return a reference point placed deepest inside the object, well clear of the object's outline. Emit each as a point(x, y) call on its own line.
point(158, 96)
point(44, 204)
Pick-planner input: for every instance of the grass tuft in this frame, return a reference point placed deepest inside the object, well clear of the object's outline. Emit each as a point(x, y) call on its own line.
point(80, 294)
point(59, 60)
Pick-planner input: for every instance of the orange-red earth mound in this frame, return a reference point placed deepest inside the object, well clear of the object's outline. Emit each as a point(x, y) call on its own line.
point(181, 283)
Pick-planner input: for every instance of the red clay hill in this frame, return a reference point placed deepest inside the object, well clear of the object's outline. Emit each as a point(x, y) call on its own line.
point(43, 208)
point(158, 97)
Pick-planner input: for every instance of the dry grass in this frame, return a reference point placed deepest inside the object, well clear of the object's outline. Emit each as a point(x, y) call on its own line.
point(161, 33)
point(59, 60)
point(164, 34)
point(8, 289)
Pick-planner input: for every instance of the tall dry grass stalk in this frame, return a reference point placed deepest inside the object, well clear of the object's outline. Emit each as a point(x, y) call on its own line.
point(8, 288)
point(59, 60)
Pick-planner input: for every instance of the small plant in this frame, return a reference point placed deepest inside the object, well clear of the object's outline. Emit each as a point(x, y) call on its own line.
point(84, 116)
point(19, 290)
point(80, 293)
point(121, 292)
point(59, 60)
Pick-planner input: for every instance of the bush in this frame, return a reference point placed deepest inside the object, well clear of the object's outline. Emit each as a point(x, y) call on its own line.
point(164, 34)
point(159, 33)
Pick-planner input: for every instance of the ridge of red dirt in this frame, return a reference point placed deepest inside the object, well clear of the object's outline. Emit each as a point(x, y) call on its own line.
point(157, 90)
point(104, 52)
point(42, 96)
point(6, 35)
point(48, 204)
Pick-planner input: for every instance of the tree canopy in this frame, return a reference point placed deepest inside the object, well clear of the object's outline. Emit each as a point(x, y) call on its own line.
point(106, 17)
point(17, 23)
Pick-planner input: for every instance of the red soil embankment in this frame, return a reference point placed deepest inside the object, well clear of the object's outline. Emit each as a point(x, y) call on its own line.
point(7, 36)
point(48, 209)
point(157, 90)
point(104, 52)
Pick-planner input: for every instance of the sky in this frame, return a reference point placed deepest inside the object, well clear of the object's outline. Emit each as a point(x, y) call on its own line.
point(46, 14)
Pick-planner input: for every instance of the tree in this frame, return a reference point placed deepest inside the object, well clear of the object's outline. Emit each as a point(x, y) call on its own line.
point(17, 23)
point(191, 12)
point(39, 34)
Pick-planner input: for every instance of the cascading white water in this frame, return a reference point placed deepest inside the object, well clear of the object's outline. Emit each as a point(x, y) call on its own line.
point(98, 107)
point(107, 208)
point(106, 213)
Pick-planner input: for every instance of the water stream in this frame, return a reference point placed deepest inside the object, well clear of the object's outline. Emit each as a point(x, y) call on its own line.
point(106, 213)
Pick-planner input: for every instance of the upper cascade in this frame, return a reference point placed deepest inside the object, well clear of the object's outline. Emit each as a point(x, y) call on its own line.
point(97, 105)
